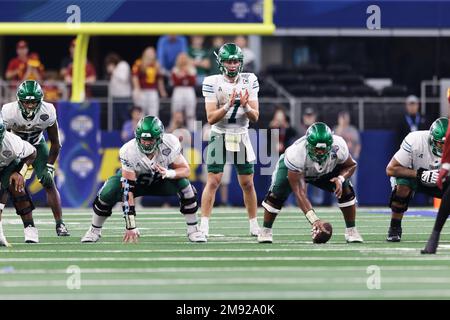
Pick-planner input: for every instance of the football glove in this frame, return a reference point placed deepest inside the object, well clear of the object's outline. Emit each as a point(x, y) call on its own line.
point(428, 177)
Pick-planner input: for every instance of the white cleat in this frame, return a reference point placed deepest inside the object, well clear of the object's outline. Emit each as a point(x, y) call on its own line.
point(352, 235)
point(92, 235)
point(265, 236)
point(255, 231)
point(204, 228)
point(31, 234)
point(4, 242)
point(196, 235)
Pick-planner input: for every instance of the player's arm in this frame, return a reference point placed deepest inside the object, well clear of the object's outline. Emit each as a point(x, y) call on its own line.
point(251, 107)
point(397, 170)
point(177, 170)
point(298, 186)
point(214, 114)
point(27, 155)
point(445, 161)
point(347, 170)
point(53, 137)
point(129, 212)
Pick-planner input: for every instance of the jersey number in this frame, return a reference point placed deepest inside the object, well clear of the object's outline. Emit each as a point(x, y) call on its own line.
point(236, 105)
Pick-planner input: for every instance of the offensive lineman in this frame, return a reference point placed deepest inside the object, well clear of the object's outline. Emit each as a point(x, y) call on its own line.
point(323, 160)
point(231, 101)
point(152, 164)
point(28, 117)
point(415, 167)
point(15, 157)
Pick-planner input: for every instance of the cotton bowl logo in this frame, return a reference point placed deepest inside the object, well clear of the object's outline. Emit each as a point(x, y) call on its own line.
point(82, 166)
point(82, 124)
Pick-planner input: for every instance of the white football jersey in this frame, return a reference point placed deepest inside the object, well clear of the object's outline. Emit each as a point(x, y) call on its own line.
point(296, 158)
point(218, 89)
point(415, 152)
point(13, 148)
point(29, 130)
point(132, 159)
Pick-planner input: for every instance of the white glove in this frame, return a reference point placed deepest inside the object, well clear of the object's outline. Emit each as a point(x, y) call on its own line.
point(429, 177)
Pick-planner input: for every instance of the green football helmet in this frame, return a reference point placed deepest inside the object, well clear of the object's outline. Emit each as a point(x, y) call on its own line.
point(438, 130)
point(29, 91)
point(319, 140)
point(230, 51)
point(149, 129)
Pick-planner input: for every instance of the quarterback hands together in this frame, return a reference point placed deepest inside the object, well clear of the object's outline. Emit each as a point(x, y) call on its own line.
point(244, 99)
point(428, 177)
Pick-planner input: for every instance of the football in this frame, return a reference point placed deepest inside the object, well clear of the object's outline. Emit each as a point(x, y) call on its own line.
point(319, 236)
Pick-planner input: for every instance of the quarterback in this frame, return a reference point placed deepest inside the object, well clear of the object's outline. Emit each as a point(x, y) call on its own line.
point(323, 160)
point(15, 157)
point(29, 117)
point(415, 168)
point(152, 164)
point(231, 101)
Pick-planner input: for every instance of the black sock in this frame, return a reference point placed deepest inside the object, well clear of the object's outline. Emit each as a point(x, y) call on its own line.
point(443, 212)
point(28, 223)
point(396, 223)
point(59, 222)
point(349, 224)
point(268, 224)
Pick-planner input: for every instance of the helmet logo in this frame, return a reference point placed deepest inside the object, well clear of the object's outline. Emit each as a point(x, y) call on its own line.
point(321, 145)
point(146, 135)
point(29, 97)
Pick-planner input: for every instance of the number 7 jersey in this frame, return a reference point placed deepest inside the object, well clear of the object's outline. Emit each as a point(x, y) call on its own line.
point(29, 130)
point(218, 89)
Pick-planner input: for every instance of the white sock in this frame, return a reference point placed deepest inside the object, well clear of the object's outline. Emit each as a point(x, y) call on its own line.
point(253, 222)
point(98, 221)
point(1, 228)
point(204, 222)
point(191, 219)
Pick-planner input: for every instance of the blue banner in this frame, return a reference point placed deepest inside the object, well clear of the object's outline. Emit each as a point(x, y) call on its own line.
point(79, 161)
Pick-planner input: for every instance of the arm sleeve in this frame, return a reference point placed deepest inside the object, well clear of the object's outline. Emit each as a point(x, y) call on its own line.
point(125, 160)
point(404, 154)
point(343, 152)
point(208, 90)
point(175, 147)
point(292, 161)
point(254, 88)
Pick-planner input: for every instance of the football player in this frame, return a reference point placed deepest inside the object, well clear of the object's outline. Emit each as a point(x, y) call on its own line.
point(415, 168)
point(15, 157)
point(152, 164)
point(29, 117)
point(323, 160)
point(231, 101)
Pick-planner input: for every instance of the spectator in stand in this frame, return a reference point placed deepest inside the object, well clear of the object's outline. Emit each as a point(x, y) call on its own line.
point(53, 87)
point(412, 120)
point(217, 43)
point(199, 55)
point(67, 60)
point(169, 47)
point(308, 118)
point(129, 126)
point(183, 96)
point(25, 66)
point(249, 61)
point(351, 136)
point(147, 81)
point(119, 75)
point(287, 134)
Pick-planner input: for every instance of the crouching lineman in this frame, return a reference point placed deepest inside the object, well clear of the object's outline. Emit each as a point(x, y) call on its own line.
point(415, 168)
point(323, 160)
point(15, 157)
point(29, 117)
point(152, 164)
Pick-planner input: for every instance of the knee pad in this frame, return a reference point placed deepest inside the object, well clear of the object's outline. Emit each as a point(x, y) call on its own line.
point(188, 200)
point(348, 197)
point(272, 204)
point(101, 209)
point(22, 201)
point(399, 204)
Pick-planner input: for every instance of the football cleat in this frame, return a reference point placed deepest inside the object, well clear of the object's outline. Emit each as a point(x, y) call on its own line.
point(31, 234)
point(61, 230)
point(204, 228)
point(432, 244)
point(265, 235)
point(394, 234)
point(92, 235)
point(255, 230)
point(196, 235)
point(352, 235)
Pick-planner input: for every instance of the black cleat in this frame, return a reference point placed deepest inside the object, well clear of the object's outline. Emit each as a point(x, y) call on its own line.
point(394, 234)
point(432, 244)
point(62, 231)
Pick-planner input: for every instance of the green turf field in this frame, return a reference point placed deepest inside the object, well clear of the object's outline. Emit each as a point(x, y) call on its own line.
point(232, 265)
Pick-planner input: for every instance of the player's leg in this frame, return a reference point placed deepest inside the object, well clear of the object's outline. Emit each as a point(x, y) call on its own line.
point(47, 181)
point(279, 191)
point(402, 193)
point(22, 203)
point(4, 198)
point(215, 160)
point(105, 200)
point(191, 105)
point(225, 184)
point(245, 172)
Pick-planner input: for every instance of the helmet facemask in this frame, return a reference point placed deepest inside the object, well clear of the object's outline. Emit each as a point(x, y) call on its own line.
point(29, 98)
point(318, 153)
point(438, 131)
point(147, 144)
point(229, 53)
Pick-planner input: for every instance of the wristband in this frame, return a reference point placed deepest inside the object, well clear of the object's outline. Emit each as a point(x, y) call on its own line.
point(247, 109)
point(227, 106)
point(130, 219)
point(311, 216)
point(170, 174)
point(341, 179)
